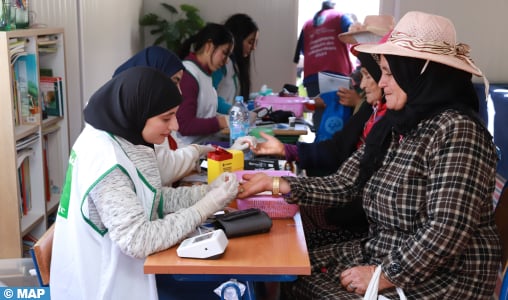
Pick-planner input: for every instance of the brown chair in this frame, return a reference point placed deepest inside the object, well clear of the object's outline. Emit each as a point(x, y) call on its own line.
point(501, 217)
point(41, 255)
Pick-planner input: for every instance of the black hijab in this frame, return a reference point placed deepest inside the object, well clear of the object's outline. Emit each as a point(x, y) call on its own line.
point(368, 62)
point(438, 88)
point(124, 104)
point(351, 215)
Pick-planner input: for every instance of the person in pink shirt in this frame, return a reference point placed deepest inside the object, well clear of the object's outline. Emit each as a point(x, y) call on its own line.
point(322, 50)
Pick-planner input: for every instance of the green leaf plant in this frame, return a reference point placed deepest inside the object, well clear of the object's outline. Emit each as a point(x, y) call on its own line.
point(175, 30)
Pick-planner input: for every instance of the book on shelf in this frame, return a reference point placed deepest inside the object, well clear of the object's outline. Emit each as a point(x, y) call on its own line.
point(25, 187)
point(51, 95)
point(20, 180)
point(47, 187)
point(29, 239)
point(14, 86)
point(23, 165)
point(16, 42)
point(47, 44)
point(26, 142)
point(28, 243)
point(16, 56)
point(47, 39)
point(46, 72)
point(17, 48)
point(26, 73)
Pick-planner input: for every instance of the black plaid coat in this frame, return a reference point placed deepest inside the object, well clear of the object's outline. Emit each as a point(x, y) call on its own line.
point(430, 213)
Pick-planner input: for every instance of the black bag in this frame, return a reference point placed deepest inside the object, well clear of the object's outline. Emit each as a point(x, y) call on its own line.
point(243, 222)
point(279, 116)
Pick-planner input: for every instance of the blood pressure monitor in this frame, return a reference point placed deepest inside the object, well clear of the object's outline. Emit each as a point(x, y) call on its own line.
point(207, 245)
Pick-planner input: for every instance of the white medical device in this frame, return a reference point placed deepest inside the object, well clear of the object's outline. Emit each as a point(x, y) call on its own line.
point(207, 245)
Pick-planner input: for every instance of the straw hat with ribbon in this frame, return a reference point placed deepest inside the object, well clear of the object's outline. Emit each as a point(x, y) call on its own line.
point(426, 36)
point(372, 29)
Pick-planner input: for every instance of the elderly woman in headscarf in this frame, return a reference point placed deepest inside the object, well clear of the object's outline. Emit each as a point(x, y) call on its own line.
point(114, 211)
point(425, 177)
point(174, 163)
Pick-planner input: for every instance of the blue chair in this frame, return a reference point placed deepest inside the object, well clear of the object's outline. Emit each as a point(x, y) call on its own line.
point(503, 295)
point(501, 217)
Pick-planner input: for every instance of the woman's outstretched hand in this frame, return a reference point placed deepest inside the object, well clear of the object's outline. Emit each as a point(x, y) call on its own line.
point(252, 184)
point(272, 146)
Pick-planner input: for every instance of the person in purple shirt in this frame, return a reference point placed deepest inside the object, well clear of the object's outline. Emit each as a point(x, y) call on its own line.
point(197, 116)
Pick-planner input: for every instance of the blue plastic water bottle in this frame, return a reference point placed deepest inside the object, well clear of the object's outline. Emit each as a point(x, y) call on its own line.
point(238, 120)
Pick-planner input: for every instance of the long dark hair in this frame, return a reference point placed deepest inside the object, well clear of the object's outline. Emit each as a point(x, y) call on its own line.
point(216, 33)
point(241, 26)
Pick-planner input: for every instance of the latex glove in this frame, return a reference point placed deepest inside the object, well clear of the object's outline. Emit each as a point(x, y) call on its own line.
point(222, 191)
point(219, 181)
point(244, 142)
point(203, 149)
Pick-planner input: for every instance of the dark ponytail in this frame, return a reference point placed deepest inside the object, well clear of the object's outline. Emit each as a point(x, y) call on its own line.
point(186, 47)
point(216, 33)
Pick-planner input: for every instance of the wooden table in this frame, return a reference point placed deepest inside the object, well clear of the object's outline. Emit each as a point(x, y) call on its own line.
point(285, 135)
point(279, 255)
point(299, 129)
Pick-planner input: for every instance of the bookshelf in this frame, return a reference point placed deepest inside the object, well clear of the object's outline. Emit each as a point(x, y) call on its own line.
point(35, 147)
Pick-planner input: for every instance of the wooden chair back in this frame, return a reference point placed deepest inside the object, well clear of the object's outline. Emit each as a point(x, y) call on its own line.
point(41, 255)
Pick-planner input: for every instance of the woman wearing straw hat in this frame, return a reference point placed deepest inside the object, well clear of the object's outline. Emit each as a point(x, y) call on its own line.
point(425, 177)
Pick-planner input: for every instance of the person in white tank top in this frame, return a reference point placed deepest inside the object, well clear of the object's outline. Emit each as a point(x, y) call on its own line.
point(197, 117)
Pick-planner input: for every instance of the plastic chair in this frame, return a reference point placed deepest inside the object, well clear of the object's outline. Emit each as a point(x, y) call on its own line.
point(41, 255)
point(503, 294)
point(501, 217)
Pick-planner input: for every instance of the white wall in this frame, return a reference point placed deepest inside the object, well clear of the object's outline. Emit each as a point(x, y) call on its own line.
point(277, 22)
point(98, 36)
point(109, 33)
point(61, 13)
point(481, 24)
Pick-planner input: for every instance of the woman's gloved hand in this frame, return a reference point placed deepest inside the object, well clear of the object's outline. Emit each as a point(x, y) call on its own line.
point(244, 142)
point(203, 149)
point(222, 191)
